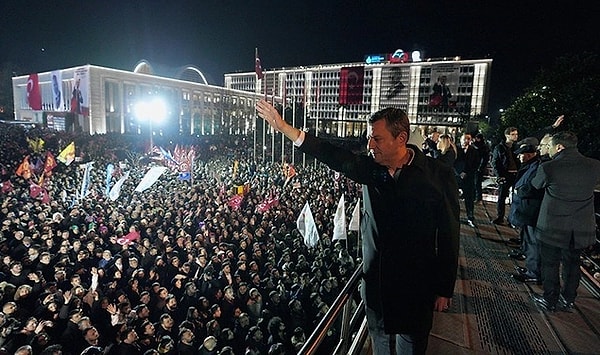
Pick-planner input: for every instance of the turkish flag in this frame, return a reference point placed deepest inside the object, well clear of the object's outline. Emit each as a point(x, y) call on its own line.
point(34, 98)
point(351, 85)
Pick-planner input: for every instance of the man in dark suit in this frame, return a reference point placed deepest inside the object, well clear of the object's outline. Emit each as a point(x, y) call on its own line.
point(466, 164)
point(505, 166)
point(410, 226)
point(566, 223)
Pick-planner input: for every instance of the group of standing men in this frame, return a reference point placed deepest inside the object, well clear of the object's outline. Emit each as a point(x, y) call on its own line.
point(410, 223)
point(552, 204)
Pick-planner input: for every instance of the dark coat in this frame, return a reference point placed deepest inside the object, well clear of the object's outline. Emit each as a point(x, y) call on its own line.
point(567, 211)
point(447, 158)
point(501, 157)
point(410, 233)
point(526, 200)
point(467, 163)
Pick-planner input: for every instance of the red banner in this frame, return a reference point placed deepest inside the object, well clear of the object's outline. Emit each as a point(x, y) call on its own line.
point(351, 85)
point(34, 97)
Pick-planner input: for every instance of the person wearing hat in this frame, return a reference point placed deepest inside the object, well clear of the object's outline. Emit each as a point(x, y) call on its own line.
point(566, 223)
point(525, 207)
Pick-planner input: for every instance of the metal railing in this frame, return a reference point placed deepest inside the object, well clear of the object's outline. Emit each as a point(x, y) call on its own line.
point(345, 322)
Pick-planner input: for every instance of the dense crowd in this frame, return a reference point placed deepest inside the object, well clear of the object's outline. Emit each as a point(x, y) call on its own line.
point(205, 276)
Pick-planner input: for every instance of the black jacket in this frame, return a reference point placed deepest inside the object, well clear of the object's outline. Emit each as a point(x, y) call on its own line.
point(410, 232)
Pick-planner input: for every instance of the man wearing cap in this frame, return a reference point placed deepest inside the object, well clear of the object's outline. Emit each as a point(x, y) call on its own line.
point(525, 207)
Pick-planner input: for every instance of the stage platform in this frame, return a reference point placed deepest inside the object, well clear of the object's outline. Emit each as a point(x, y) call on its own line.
point(492, 313)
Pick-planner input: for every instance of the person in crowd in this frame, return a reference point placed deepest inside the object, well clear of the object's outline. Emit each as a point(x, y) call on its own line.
point(482, 169)
point(566, 223)
point(430, 145)
point(465, 166)
point(524, 211)
point(447, 150)
point(505, 165)
point(410, 225)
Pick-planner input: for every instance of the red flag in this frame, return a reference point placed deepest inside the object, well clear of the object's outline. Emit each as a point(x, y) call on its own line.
point(235, 201)
point(351, 85)
point(129, 238)
point(35, 190)
point(34, 97)
point(257, 66)
point(7, 187)
point(24, 170)
point(50, 163)
point(267, 204)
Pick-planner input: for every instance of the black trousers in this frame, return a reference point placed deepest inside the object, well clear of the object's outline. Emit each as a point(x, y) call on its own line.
point(552, 257)
point(503, 191)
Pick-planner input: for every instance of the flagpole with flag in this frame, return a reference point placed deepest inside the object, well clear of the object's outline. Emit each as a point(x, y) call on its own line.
point(339, 221)
point(67, 155)
point(293, 114)
point(259, 76)
point(284, 104)
point(307, 227)
point(354, 224)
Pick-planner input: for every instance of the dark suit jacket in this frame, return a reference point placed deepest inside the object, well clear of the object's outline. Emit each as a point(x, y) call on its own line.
point(526, 200)
point(567, 211)
point(409, 230)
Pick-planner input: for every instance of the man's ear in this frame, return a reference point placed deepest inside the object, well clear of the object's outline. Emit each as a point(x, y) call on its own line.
point(403, 136)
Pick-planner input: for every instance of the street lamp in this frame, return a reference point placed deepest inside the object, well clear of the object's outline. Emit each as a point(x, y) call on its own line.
point(153, 111)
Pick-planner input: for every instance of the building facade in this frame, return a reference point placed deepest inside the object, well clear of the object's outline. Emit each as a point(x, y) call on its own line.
point(331, 100)
point(335, 100)
point(98, 100)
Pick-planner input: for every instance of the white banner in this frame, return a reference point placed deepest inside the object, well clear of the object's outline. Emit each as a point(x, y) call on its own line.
point(150, 178)
point(115, 192)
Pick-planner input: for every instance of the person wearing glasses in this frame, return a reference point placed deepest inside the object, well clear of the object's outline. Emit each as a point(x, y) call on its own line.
point(566, 224)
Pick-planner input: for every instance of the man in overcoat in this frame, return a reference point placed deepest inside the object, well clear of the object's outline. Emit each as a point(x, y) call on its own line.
point(566, 223)
point(409, 226)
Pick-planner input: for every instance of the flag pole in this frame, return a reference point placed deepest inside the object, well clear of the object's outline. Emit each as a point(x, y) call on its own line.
point(255, 90)
point(283, 105)
point(293, 113)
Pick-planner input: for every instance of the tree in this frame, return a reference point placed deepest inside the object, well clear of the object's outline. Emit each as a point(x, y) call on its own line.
point(571, 86)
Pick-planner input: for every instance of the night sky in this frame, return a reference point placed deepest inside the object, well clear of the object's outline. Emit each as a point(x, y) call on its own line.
point(220, 36)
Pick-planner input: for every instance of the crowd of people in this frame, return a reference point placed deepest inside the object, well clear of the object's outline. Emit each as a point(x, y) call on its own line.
point(215, 264)
point(202, 275)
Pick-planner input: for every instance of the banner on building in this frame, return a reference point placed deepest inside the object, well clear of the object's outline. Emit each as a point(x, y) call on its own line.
point(80, 98)
point(34, 96)
point(351, 85)
point(57, 90)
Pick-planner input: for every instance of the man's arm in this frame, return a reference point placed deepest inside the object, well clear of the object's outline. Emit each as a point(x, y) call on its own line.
point(539, 180)
point(267, 112)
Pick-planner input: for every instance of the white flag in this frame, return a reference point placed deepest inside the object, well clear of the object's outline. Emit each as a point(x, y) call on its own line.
point(150, 178)
point(339, 221)
point(355, 221)
point(115, 192)
point(307, 227)
point(85, 182)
